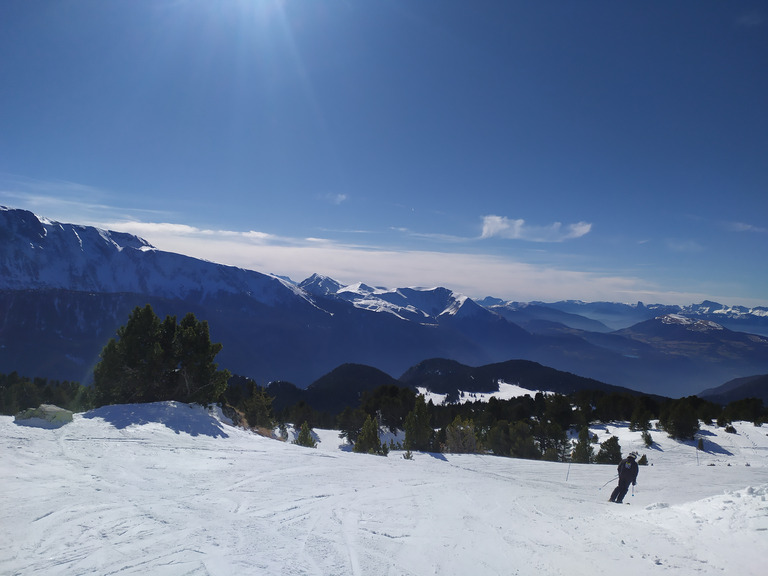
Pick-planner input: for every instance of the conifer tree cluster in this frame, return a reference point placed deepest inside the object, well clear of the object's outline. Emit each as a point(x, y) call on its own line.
point(610, 452)
point(18, 393)
point(368, 441)
point(418, 430)
point(583, 453)
point(153, 361)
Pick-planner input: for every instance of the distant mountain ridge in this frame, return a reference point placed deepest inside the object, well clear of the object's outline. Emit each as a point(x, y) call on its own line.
point(345, 385)
point(615, 315)
point(39, 254)
point(65, 289)
point(738, 389)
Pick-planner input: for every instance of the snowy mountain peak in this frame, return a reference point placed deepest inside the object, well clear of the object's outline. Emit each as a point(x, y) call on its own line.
point(320, 285)
point(360, 288)
point(423, 305)
point(40, 232)
point(708, 307)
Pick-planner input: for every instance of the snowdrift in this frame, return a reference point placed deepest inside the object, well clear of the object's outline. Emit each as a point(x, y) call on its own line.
point(171, 489)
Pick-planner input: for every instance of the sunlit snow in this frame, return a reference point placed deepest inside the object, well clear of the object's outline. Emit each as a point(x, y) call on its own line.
point(506, 392)
point(169, 489)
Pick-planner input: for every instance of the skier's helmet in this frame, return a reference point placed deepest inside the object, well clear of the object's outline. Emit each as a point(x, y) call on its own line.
point(633, 455)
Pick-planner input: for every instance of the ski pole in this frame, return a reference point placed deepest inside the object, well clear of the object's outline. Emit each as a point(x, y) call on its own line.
point(609, 481)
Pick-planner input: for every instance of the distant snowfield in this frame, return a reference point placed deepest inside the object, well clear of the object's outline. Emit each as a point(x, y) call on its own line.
point(506, 392)
point(170, 489)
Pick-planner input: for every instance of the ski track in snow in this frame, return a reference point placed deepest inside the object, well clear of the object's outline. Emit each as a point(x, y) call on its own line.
point(105, 496)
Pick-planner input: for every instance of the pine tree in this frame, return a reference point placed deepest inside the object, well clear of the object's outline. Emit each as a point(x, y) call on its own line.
point(258, 409)
point(500, 438)
point(350, 423)
point(198, 378)
point(131, 368)
point(647, 438)
point(552, 440)
point(418, 431)
point(583, 452)
point(152, 361)
point(460, 436)
point(681, 421)
point(523, 445)
point(368, 442)
point(610, 451)
point(305, 437)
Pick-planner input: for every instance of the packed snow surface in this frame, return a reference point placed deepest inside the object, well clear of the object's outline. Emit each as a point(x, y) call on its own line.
point(171, 489)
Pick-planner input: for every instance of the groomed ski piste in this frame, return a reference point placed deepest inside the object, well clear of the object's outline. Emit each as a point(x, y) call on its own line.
point(173, 489)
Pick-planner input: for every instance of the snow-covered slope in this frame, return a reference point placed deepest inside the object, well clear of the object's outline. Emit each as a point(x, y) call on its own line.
point(506, 392)
point(690, 323)
point(169, 489)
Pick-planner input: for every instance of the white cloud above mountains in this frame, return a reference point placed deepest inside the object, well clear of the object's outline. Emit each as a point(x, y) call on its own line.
point(455, 261)
point(519, 229)
point(476, 275)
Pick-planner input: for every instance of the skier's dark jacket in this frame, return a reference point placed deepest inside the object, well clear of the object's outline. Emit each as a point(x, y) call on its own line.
point(628, 471)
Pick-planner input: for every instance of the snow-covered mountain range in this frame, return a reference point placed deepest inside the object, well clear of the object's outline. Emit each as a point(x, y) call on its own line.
point(39, 254)
point(65, 289)
point(608, 316)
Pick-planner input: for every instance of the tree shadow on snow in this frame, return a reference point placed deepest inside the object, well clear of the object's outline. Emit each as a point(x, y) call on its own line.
point(190, 419)
point(710, 447)
point(715, 448)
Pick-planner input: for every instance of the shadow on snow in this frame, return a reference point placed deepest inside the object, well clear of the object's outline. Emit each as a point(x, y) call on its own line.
point(190, 419)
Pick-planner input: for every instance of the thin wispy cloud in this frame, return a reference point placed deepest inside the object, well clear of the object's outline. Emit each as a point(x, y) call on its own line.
point(684, 246)
point(433, 236)
point(69, 201)
point(375, 262)
point(519, 229)
point(744, 227)
point(164, 230)
point(476, 275)
point(336, 199)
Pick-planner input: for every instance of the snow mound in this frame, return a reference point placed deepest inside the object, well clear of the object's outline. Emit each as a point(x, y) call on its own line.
point(745, 508)
point(187, 418)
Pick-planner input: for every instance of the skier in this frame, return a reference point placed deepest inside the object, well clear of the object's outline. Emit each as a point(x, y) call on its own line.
point(627, 475)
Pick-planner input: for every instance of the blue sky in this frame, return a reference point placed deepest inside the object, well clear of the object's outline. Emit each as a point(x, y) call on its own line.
point(524, 150)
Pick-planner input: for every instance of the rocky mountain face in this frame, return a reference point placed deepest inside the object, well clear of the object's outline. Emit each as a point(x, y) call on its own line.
point(65, 289)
